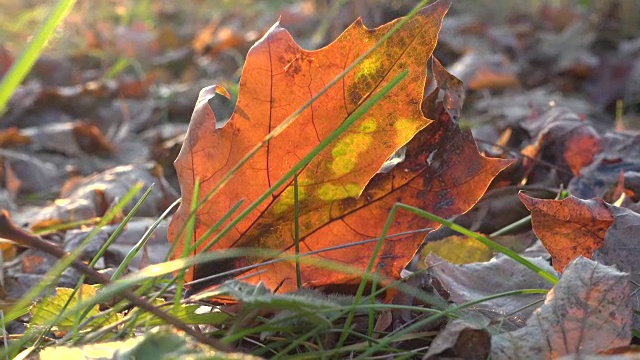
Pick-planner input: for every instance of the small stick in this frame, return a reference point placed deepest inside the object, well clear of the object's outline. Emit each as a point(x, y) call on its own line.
point(9, 230)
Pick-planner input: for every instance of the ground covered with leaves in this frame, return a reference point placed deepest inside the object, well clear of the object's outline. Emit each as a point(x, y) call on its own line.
point(458, 181)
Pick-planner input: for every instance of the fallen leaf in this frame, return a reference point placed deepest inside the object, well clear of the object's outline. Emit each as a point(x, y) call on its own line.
point(473, 281)
point(569, 228)
point(48, 308)
point(457, 249)
point(485, 71)
point(620, 153)
point(6, 60)
point(277, 79)
point(26, 174)
point(591, 228)
point(11, 137)
point(564, 140)
point(442, 171)
point(461, 340)
point(587, 312)
point(70, 138)
point(89, 197)
point(155, 344)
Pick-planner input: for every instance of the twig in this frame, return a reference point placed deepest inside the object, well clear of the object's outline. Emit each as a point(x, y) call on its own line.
point(9, 230)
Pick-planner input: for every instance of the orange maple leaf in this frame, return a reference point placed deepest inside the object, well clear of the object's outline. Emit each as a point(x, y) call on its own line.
point(443, 173)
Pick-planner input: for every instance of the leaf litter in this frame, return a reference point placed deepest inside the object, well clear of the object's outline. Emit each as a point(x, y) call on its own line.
point(75, 138)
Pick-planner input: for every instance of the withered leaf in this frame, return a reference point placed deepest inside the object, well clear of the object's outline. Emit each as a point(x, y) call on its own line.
point(587, 312)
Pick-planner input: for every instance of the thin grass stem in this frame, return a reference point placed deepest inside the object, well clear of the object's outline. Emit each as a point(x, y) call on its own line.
point(23, 64)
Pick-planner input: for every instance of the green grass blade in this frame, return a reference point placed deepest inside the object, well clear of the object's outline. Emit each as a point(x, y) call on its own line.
point(191, 226)
point(296, 231)
point(484, 240)
point(142, 242)
point(31, 53)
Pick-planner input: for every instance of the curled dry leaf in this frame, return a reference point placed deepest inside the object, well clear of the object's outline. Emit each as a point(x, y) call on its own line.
point(587, 312)
point(563, 139)
point(335, 208)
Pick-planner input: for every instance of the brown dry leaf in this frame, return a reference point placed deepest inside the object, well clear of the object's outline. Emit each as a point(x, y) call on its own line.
point(570, 227)
point(91, 196)
point(591, 228)
point(587, 312)
point(70, 138)
point(335, 208)
point(6, 60)
point(485, 71)
point(26, 174)
point(563, 139)
point(461, 340)
point(11, 137)
point(473, 281)
point(620, 153)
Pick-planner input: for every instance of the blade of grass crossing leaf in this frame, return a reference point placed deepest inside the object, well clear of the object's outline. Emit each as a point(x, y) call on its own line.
point(357, 114)
point(117, 68)
point(31, 53)
point(49, 279)
point(215, 227)
point(129, 257)
point(272, 325)
point(484, 240)
point(409, 290)
point(4, 332)
point(160, 270)
point(525, 221)
point(116, 233)
point(191, 226)
point(296, 231)
point(365, 277)
point(314, 252)
point(280, 128)
point(81, 316)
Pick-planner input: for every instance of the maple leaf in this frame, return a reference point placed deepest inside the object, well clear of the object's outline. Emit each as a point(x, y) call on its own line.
point(443, 171)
